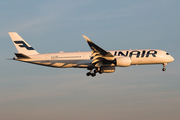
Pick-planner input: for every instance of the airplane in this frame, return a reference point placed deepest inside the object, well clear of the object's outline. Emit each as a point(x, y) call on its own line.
point(96, 61)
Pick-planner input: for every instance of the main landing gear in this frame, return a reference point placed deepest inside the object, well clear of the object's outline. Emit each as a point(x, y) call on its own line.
point(164, 69)
point(94, 73)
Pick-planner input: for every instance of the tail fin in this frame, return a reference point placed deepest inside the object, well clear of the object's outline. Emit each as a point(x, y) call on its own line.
point(21, 45)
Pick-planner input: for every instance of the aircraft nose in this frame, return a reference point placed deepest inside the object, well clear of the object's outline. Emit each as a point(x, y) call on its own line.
point(171, 59)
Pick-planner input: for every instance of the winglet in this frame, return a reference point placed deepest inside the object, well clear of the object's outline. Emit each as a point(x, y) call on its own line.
point(86, 38)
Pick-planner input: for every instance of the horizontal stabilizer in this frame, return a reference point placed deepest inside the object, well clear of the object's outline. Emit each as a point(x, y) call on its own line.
point(21, 56)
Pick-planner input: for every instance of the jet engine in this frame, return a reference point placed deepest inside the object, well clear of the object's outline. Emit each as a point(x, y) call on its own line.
point(122, 61)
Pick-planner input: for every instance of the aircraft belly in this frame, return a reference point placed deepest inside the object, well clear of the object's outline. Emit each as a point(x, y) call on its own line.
point(63, 63)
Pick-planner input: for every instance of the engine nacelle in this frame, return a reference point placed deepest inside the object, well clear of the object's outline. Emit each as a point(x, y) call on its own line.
point(123, 61)
point(107, 69)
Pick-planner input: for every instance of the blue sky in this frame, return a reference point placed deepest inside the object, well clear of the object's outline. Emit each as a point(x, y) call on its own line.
point(137, 92)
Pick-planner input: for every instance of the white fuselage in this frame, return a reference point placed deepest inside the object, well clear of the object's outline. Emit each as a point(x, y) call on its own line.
point(97, 61)
point(83, 59)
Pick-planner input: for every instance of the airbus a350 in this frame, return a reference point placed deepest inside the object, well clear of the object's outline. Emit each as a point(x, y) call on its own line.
point(96, 61)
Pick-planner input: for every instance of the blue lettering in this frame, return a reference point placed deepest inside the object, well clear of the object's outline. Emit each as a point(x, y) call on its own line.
point(23, 45)
point(143, 53)
point(137, 53)
point(151, 52)
point(121, 53)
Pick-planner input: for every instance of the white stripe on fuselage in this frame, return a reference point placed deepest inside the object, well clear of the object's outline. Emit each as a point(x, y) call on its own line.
point(82, 59)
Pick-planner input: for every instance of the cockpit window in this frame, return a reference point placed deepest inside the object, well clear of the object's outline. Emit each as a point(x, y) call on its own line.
point(167, 53)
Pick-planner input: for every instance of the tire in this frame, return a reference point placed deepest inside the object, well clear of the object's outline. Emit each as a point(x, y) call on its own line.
point(93, 74)
point(164, 69)
point(88, 74)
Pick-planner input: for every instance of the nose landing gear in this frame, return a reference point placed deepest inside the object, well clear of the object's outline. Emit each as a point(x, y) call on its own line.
point(164, 69)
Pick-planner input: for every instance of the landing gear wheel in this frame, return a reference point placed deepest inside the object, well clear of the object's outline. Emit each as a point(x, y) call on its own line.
point(95, 71)
point(93, 74)
point(88, 74)
point(164, 69)
point(100, 72)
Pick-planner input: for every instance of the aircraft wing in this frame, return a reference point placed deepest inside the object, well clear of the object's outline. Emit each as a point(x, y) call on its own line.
point(99, 55)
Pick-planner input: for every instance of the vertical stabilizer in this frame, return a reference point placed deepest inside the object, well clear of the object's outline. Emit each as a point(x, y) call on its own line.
point(21, 45)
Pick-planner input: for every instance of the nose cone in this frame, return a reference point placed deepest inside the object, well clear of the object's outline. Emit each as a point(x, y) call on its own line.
point(171, 59)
